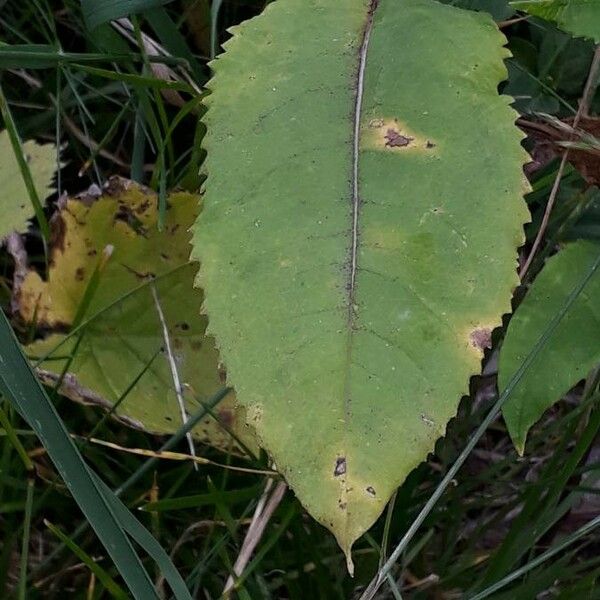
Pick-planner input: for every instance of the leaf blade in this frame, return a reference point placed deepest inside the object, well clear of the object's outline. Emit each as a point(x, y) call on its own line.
point(572, 351)
point(362, 291)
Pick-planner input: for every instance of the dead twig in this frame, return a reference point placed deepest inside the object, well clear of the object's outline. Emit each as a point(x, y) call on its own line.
point(161, 71)
point(262, 514)
point(174, 373)
point(581, 112)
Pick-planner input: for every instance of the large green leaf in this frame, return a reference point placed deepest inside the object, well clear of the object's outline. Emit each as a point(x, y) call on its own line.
point(579, 17)
point(572, 350)
point(124, 336)
point(15, 206)
point(371, 175)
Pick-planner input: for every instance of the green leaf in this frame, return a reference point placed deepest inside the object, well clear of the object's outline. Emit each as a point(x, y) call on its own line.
point(124, 332)
point(572, 350)
point(375, 234)
point(96, 12)
point(579, 17)
point(15, 206)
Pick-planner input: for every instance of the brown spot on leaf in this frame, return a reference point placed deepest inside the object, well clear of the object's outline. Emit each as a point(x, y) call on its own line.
point(394, 139)
point(340, 466)
point(226, 417)
point(481, 338)
point(127, 216)
point(371, 491)
point(142, 276)
point(80, 274)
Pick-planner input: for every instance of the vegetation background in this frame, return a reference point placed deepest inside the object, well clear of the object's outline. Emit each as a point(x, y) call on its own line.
point(99, 97)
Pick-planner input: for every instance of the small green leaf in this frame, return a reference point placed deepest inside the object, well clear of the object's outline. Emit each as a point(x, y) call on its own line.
point(15, 205)
point(375, 234)
point(572, 350)
point(579, 17)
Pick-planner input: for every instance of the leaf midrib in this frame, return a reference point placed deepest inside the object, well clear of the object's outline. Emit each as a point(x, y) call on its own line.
point(356, 204)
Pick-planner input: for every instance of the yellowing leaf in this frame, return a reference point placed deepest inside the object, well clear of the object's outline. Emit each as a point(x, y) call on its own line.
point(360, 156)
point(124, 334)
point(15, 206)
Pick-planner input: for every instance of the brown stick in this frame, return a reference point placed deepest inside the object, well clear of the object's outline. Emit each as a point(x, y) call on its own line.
point(260, 519)
point(582, 110)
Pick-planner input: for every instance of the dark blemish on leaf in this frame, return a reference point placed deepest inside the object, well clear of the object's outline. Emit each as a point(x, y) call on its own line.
point(481, 338)
point(164, 256)
point(429, 145)
point(183, 326)
point(80, 274)
point(143, 207)
point(226, 417)
point(168, 419)
point(196, 345)
point(342, 505)
point(396, 140)
point(340, 466)
point(143, 276)
point(126, 215)
point(92, 252)
point(371, 491)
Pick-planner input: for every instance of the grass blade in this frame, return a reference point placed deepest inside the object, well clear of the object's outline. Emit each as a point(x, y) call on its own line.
point(20, 385)
point(145, 539)
point(22, 589)
point(103, 577)
point(567, 541)
point(96, 12)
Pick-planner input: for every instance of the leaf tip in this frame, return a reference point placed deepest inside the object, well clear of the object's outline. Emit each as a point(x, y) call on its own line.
point(349, 562)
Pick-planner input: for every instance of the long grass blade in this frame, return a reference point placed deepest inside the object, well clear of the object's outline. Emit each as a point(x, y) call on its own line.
point(96, 12)
point(112, 587)
point(19, 384)
point(565, 543)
